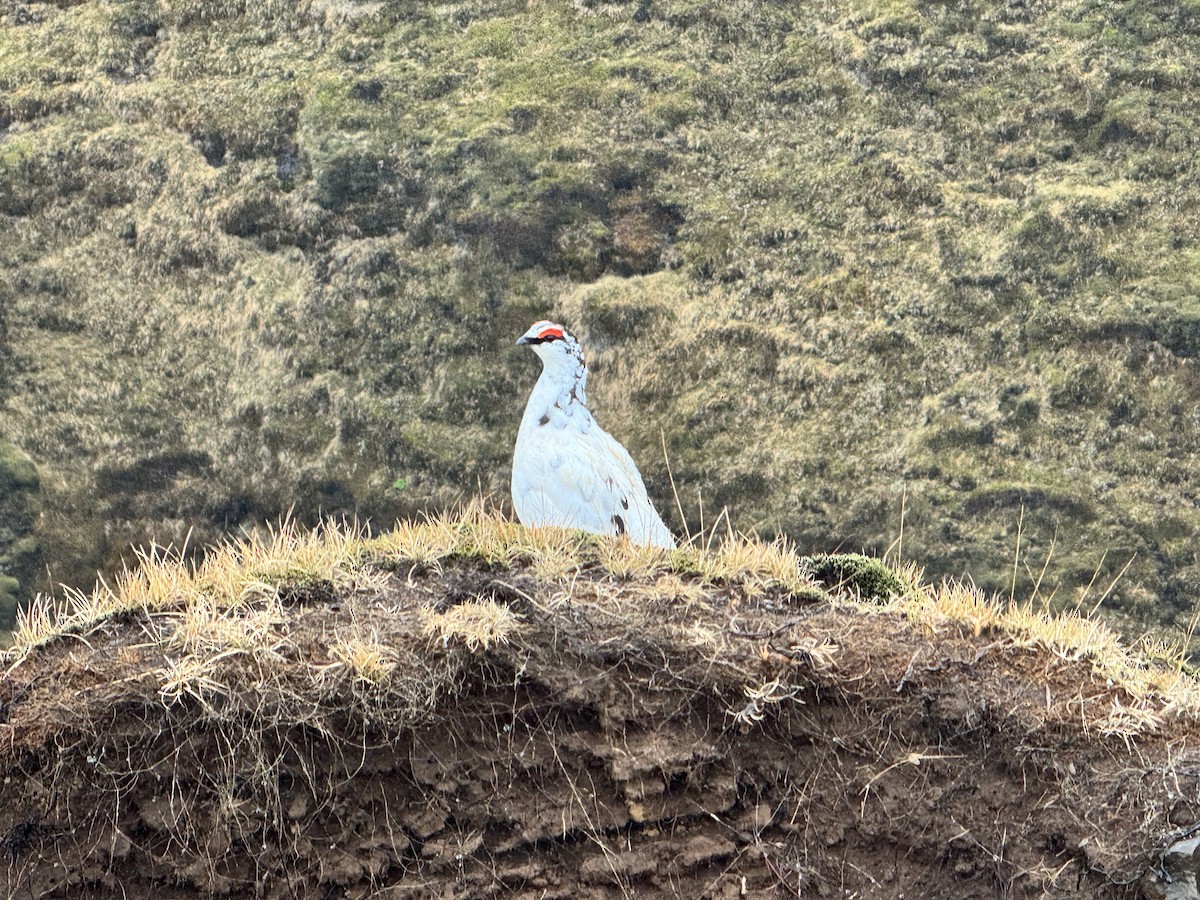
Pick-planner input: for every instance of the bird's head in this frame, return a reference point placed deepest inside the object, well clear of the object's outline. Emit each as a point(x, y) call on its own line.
point(554, 344)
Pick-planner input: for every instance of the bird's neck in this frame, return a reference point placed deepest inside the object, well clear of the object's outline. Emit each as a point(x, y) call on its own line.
point(562, 384)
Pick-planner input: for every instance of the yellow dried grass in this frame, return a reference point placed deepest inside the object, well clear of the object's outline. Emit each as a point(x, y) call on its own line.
point(478, 624)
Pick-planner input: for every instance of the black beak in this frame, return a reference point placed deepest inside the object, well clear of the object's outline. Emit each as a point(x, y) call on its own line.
point(522, 340)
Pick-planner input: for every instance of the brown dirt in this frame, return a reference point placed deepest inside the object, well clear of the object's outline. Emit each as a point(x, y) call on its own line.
point(598, 753)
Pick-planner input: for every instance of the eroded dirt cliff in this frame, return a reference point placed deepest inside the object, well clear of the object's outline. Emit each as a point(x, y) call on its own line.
point(454, 727)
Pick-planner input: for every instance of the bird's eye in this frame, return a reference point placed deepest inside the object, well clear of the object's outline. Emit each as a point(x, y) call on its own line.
point(549, 334)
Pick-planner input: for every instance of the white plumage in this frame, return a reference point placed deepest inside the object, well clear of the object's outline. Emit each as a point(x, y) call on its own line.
point(567, 470)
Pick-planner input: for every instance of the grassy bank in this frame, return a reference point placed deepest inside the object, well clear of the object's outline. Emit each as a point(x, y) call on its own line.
point(467, 706)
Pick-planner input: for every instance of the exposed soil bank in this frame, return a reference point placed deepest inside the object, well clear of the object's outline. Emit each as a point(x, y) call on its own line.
point(633, 737)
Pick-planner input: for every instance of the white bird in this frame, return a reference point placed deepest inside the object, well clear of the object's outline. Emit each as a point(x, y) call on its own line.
point(567, 470)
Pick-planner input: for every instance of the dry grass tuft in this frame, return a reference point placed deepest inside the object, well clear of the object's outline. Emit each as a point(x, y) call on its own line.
point(425, 543)
point(673, 588)
point(949, 601)
point(757, 565)
point(205, 625)
point(367, 659)
point(478, 624)
point(193, 676)
point(627, 560)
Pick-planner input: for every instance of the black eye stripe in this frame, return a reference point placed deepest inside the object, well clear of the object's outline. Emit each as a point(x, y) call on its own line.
point(542, 340)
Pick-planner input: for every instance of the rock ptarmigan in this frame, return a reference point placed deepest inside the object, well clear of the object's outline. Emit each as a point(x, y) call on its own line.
point(567, 470)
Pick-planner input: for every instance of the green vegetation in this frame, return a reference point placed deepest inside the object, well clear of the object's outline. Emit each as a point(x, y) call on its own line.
point(865, 576)
point(20, 555)
point(262, 257)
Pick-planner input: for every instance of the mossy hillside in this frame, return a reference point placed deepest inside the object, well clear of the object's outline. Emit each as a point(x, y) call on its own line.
point(843, 258)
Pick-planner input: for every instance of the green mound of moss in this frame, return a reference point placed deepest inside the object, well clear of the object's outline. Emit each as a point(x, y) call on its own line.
point(20, 556)
point(865, 576)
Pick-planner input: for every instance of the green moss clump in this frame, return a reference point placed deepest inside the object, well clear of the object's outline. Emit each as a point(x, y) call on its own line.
point(20, 556)
point(17, 471)
point(867, 576)
point(10, 599)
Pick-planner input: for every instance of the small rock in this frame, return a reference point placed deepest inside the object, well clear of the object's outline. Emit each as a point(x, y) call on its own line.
point(1176, 876)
